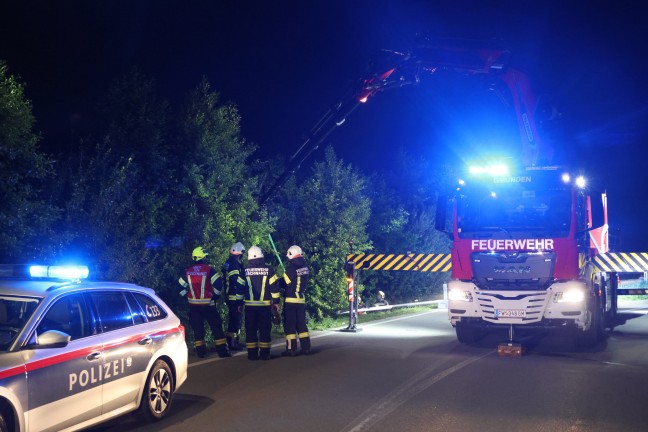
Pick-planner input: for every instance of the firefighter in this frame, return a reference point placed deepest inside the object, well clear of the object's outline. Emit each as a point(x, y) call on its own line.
point(381, 300)
point(202, 285)
point(235, 286)
point(295, 281)
point(261, 301)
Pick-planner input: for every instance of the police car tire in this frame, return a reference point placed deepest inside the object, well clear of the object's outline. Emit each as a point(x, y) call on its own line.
point(3, 424)
point(158, 392)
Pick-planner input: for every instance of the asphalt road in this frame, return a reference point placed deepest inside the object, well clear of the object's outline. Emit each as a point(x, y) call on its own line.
point(410, 374)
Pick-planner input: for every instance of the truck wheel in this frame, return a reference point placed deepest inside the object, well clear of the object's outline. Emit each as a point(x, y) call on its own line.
point(158, 392)
point(467, 333)
point(590, 337)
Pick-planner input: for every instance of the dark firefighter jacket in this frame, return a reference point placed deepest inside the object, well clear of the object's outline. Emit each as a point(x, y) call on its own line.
point(296, 280)
point(235, 284)
point(262, 284)
point(202, 283)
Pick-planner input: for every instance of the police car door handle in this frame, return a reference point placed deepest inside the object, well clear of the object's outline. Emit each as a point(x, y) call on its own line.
point(146, 341)
point(93, 356)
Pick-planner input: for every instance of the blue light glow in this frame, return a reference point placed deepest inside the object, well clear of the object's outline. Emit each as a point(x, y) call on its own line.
point(494, 170)
point(59, 272)
point(580, 182)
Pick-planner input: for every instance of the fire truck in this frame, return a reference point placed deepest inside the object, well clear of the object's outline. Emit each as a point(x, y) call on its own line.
point(523, 254)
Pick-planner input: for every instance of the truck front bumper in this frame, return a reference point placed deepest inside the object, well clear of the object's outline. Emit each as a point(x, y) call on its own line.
point(554, 308)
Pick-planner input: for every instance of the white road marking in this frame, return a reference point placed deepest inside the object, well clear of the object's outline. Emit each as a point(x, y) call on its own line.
point(406, 391)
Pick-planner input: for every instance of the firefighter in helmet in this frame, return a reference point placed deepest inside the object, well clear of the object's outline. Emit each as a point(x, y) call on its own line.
point(202, 285)
point(295, 281)
point(235, 286)
point(381, 300)
point(261, 301)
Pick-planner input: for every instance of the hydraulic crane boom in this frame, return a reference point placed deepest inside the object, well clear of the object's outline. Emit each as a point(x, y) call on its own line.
point(392, 69)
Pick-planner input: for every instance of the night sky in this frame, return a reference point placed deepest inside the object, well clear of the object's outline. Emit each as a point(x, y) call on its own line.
point(285, 62)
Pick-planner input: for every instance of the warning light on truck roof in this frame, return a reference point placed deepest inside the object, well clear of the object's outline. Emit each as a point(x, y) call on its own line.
point(495, 170)
point(580, 182)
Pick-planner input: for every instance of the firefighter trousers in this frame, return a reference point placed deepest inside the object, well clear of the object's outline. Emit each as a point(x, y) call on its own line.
point(258, 327)
point(295, 326)
point(197, 317)
point(234, 319)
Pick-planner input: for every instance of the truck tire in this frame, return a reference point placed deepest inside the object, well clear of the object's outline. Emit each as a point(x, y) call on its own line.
point(467, 333)
point(590, 337)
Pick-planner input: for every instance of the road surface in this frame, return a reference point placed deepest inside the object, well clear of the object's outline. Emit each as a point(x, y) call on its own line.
point(410, 374)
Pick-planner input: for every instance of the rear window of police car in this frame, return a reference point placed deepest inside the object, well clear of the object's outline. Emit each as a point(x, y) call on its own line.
point(115, 309)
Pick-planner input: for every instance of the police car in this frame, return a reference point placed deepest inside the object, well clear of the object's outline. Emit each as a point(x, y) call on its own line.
point(73, 354)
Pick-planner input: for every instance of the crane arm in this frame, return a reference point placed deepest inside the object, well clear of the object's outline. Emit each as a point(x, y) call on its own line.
point(393, 69)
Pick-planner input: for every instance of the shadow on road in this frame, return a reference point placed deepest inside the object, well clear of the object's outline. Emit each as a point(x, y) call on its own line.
point(184, 406)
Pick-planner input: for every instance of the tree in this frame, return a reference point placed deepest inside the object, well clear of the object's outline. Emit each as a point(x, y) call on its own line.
point(216, 185)
point(25, 216)
point(322, 215)
point(116, 211)
point(403, 214)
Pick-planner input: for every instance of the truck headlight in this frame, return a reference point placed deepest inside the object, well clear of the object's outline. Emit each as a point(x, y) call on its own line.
point(458, 294)
point(571, 295)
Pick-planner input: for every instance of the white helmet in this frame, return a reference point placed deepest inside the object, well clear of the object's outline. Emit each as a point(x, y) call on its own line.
point(237, 248)
point(294, 251)
point(255, 252)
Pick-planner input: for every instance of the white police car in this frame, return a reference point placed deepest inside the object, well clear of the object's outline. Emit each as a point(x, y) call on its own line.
point(73, 354)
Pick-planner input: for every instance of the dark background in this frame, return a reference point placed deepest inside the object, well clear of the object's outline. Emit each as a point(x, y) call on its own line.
point(284, 63)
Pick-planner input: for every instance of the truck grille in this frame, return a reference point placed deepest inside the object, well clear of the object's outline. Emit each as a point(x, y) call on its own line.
point(507, 271)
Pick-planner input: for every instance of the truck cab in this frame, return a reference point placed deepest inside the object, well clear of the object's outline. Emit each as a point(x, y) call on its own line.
point(520, 254)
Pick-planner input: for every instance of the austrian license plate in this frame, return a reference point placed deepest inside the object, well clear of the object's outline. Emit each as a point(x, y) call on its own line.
point(510, 313)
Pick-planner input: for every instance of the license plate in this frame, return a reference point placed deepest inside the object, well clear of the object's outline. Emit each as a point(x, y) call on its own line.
point(510, 313)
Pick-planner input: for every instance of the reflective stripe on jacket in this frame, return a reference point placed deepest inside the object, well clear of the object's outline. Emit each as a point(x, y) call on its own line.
point(262, 287)
point(235, 284)
point(296, 280)
point(202, 283)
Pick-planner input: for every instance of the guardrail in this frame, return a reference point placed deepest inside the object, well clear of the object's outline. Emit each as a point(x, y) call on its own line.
point(442, 305)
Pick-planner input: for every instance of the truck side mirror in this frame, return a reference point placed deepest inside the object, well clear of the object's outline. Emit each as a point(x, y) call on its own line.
point(441, 221)
point(441, 209)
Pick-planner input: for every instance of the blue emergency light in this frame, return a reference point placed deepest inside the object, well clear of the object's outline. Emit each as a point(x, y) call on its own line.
point(494, 170)
point(59, 272)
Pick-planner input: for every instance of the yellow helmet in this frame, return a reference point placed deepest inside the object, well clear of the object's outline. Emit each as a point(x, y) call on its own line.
point(198, 254)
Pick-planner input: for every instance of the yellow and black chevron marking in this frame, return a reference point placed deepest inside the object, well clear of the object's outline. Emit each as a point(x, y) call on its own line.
point(622, 262)
point(409, 262)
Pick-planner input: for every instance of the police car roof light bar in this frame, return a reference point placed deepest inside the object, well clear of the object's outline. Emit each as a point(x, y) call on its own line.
point(59, 272)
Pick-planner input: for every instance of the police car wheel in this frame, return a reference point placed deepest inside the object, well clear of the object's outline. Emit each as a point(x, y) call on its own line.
point(3, 424)
point(158, 392)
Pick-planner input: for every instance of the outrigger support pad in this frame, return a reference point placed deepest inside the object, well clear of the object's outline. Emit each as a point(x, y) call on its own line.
point(510, 348)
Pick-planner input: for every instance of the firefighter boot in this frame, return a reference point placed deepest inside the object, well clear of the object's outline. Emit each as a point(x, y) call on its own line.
point(291, 349)
point(232, 343)
point(264, 350)
point(201, 349)
point(304, 342)
point(222, 350)
point(252, 351)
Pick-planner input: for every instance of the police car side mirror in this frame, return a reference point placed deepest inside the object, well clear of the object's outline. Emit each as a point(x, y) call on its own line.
point(51, 339)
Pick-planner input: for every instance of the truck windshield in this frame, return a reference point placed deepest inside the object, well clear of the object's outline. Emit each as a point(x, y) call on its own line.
point(14, 314)
point(511, 211)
